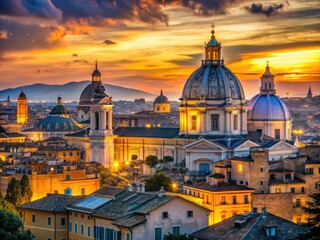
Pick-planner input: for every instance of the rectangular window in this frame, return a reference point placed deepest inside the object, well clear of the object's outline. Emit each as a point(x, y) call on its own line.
point(62, 221)
point(272, 176)
point(235, 122)
point(292, 190)
point(262, 191)
point(102, 233)
point(33, 218)
point(298, 220)
point(193, 123)
point(49, 238)
point(259, 130)
point(241, 182)
point(278, 190)
point(277, 133)
point(83, 191)
point(298, 202)
point(82, 229)
point(246, 199)
point(176, 230)
point(261, 169)
point(189, 213)
point(158, 233)
point(223, 200)
point(89, 231)
point(214, 122)
point(302, 189)
point(165, 215)
point(319, 170)
point(128, 236)
point(234, 199)
point(49, 221)
point(70, 226)
point(75, 227)
point(67, 177)
point(261, 182)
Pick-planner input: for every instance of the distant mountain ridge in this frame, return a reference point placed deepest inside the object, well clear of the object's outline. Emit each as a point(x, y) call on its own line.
point(71, 91)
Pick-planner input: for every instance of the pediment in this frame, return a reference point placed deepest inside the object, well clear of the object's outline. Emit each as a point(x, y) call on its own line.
point(282, 146)
point(203, 144)
point(246, 145)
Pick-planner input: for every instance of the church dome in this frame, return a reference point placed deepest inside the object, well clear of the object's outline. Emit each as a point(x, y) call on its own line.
point(53, 123)
point(22, 96)
point(90, 91)
point(213, 82)
point(268, 107)
point(59, 108)
point(161, 99)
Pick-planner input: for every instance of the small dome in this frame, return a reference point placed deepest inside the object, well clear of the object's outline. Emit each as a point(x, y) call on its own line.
point(22, 96)
point(54, 123)
point(213, 41)
point(161, 99)
point(59, 108)
point(213, 82)
point(268, 107)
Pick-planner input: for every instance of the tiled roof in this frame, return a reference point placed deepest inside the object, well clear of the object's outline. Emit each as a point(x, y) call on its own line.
point(130, 221)
point(243, 159)
point(280, 170)
point(11, 135)
point(52, 203)
point(250, 226)
point(81, 133)
point(221, 187)
point(109, 191)
point(146, 132)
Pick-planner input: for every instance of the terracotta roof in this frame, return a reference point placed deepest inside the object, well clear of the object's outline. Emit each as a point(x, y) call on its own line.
point(250, 226)
point(220, 187)
point(52, 203)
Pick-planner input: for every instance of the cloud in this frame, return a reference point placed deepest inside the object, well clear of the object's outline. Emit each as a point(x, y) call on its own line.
point(75, 55)
point(203, 7)
point(191, 60)
point(109, 42)
point(19, 8)
point(83, 61)
point(3, 34)
point(267, 10)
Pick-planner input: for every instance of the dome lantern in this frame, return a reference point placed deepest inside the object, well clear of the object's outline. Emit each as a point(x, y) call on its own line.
point(96, 75)
point(213, 49)
point(267, 82)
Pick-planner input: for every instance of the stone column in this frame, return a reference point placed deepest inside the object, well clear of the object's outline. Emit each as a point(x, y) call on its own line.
point(110, 120)
point(102, 120)
point(227, 121)
point(243, 122)
point(203, 122)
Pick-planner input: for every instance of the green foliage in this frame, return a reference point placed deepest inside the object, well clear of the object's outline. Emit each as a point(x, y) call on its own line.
point(313, 210)
point(26, 193)
point(157, 181)
point(151, 160)
point(5, 205)
point(168, 159)
point(14, 192)
point(108, 178)
point(170, 236)
point(11, 227)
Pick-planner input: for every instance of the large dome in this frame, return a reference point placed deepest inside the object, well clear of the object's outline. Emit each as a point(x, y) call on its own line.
point(54, 123)
point(213, 82)
point(268, 107)
point(22, 96)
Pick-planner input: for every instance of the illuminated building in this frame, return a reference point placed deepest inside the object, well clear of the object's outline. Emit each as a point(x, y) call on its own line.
point(22, 109)
point(161, 104)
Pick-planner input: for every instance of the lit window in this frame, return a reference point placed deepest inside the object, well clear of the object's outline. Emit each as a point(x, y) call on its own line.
point(193, 123)
point(235, 122)
point(278, 190)
point(240, 167)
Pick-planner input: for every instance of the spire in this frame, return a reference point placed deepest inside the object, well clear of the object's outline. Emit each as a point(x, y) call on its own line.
point(267, 82)
point(59, 100)
point(96, 75)
point(96, 64)
point(309, 95)
point(161, 93)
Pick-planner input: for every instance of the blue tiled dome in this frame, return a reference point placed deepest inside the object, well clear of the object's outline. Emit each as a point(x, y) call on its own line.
point(57, 123)
point(161, 99)
point(268, 107)
point(213, 82)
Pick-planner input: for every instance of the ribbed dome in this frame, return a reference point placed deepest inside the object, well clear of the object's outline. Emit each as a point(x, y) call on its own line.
point(161, 99)
point(268, 107)
point(213, 82)
point(88, 93)
point(53, 123)
point(22, 96)
point(59, 108)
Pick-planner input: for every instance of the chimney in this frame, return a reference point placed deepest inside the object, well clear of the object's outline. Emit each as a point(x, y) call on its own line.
point(254, 210)
point(161, 192)
point(143, 188)
point(138, 187)
point(129, 188)
point(264, 210)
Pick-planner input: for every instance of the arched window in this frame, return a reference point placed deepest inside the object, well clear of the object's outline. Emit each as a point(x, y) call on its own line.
point(208, 55)
point(97, 121)
point(269, 85)
point(107, 120)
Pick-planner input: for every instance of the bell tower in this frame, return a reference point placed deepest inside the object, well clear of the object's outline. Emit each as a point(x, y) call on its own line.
point(101, 133)
point(22, 109)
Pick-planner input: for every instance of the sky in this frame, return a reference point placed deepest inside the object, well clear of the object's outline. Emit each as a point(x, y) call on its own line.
point(156, 44)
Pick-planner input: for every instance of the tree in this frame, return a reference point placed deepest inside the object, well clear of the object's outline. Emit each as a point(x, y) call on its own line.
point(108, 178)
point(168, 159)
point(26, 193)
point(313, 211)
point(11, 227)
point(158, 180)
point(14, 192)
point(5, 205)
point(151, 160)
point(170, 236)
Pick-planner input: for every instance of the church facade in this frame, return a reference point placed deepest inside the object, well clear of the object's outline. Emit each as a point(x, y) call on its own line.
point(213, 122)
